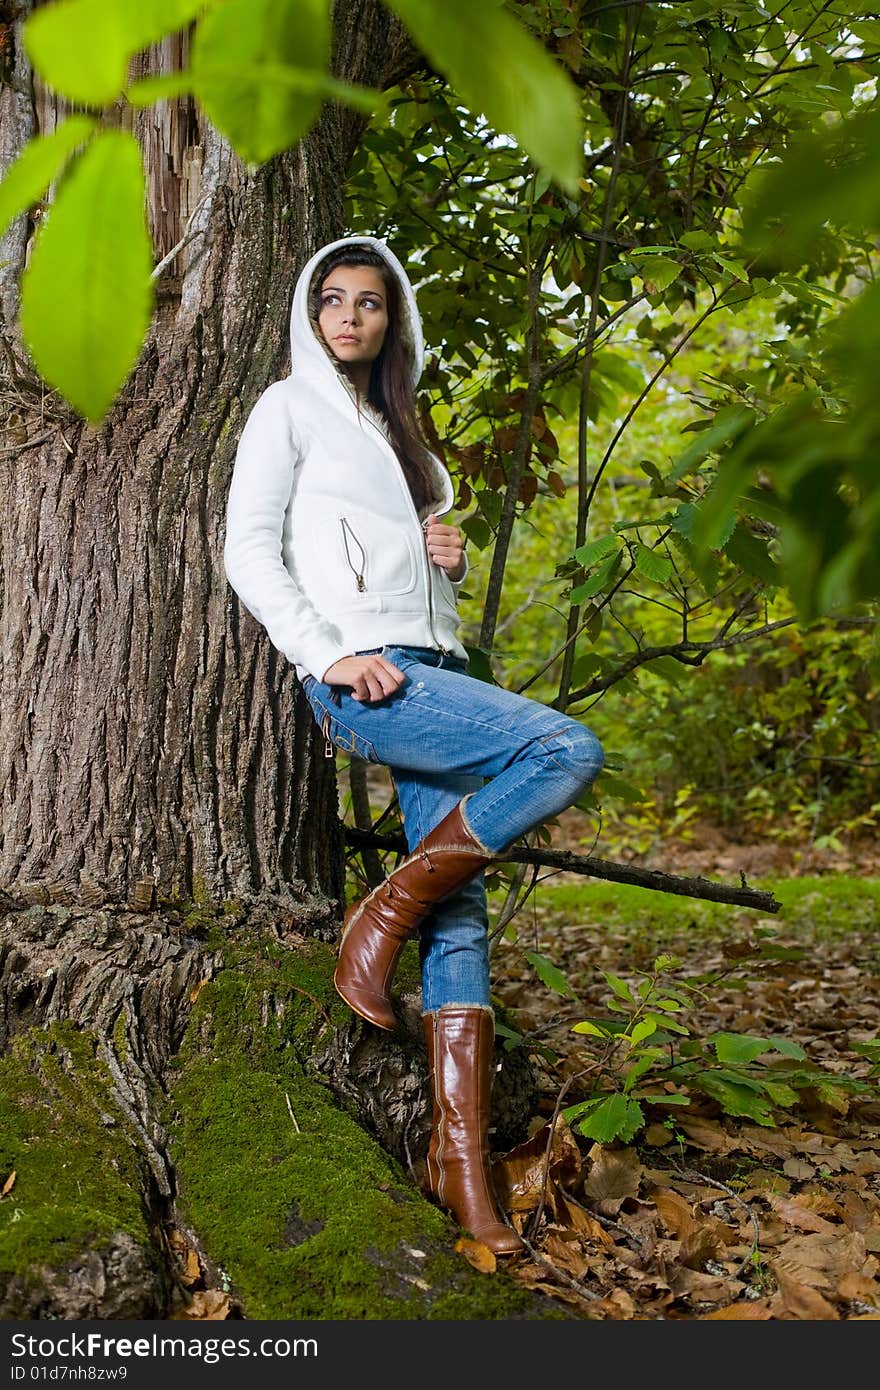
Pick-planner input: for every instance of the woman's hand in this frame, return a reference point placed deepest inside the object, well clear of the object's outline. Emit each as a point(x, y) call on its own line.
point(446, 547)
point(370, 677)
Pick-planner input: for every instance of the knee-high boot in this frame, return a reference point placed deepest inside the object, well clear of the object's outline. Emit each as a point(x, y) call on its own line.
point(376, 928)
point(461, 1043)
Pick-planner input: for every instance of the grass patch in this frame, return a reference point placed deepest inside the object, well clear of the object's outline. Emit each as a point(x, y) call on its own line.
point(830, 905)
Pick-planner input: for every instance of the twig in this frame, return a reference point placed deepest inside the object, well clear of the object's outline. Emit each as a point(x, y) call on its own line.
point(292, 1116)
point(560, 1273)
point(608, 1223)
point(657, 880)
point(692, 1175)
point(187, 237)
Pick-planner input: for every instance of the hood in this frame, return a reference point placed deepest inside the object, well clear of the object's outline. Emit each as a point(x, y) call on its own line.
point(308, 354)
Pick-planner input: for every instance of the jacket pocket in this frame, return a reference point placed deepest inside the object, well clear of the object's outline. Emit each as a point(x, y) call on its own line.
point(378, 554)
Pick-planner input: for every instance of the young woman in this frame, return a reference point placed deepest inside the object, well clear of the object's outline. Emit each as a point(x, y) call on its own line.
point(334, 543)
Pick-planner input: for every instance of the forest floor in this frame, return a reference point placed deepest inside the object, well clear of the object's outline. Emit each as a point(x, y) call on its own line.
point(759, 1198)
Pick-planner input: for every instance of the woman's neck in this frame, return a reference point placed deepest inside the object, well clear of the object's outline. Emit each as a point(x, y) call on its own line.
point(358, 374)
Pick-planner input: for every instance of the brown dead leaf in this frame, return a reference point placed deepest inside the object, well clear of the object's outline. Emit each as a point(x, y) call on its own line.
point(798, 1168)
point(704, 1244)
point(821, 1260)
point(707, 1135)
point(8, 1185)
point(675, 1212)
point(571, 1214)
point(614, 1176)
point(618, 1305)
point(658, 1136)
point(565, 1254)
point(197, 989)
point(192, 1270)
point(795, 1211)
point(519, 1174)
point(762, 1141)
point(755, 1310)
point(208, 1305)
point(704, 1288)
point(477, 1254)
point(801, 1300)
point(860, 1285)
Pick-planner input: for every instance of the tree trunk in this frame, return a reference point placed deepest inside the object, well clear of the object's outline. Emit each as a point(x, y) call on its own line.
point(171, 855)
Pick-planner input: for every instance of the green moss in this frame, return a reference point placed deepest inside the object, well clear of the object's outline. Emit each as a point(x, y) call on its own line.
point(302, 1210)
point(78, 1173)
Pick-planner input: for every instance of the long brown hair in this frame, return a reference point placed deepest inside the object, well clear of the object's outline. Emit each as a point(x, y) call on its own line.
point(391, 389)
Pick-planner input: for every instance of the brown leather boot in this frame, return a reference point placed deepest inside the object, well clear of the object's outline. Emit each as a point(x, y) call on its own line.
point(376, 929)
point(461, 1043)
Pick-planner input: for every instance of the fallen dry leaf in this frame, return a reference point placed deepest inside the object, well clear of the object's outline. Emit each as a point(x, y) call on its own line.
point(675, 1213)
point(518, 1175)
point(753, 1309)
point(208, 1305)
point(192, 1269)
point(613, 1177)
point(477, 1254)
point(794, 1212)
point(8, 1185)
point(801, 1300)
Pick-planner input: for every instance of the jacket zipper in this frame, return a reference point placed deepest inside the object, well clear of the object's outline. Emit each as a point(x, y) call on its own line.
point(358, 573)
point(426, 556)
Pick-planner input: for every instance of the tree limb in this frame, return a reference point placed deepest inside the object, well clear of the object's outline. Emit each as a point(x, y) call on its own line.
point(563, 861)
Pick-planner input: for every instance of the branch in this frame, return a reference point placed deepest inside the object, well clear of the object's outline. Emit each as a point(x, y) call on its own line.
point(563, 861)
point(688, 653)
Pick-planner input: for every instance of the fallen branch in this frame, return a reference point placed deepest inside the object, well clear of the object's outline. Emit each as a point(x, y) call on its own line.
point(562, 861)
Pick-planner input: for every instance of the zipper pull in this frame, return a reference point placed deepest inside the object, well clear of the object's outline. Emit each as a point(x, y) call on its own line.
point(329, 750)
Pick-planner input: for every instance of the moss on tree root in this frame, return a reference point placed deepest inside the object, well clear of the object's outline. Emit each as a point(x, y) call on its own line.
point(80, 1177)
point(302, 1210)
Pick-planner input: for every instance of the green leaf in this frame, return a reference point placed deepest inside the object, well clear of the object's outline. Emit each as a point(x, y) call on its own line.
point(738, 1048)
point(592, 1029)
point(651, 563)
point(259, 69)
point(690, 521)
point(549, 974)
point(499, 69)
point(477, 530)
point(735, 1099)
point(618, 1117)
point(643, 1062)
point(621, 790)
point(479, 665)
point(620, 987)
point(81, 47)
point(604, 575)
point(38, 166)
point(659, 270)
point(642, 1030)
point(786, 1048)
point(750, 554)
point(662, 1021)
point(87, 295)
point(730, 422)
point(587, 555)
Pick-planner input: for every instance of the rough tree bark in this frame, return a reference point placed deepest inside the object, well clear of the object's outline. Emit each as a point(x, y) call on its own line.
point(170, 849)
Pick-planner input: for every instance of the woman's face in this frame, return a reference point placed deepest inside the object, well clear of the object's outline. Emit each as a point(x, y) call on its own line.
point(354, 313)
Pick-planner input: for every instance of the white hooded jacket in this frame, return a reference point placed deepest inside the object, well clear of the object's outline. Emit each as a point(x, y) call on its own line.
point(323, 544)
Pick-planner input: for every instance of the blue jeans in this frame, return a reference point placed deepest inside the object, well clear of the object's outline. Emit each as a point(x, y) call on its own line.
point(444, 737)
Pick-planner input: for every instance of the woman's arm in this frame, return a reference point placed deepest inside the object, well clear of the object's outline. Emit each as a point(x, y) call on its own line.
point(265, 461)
